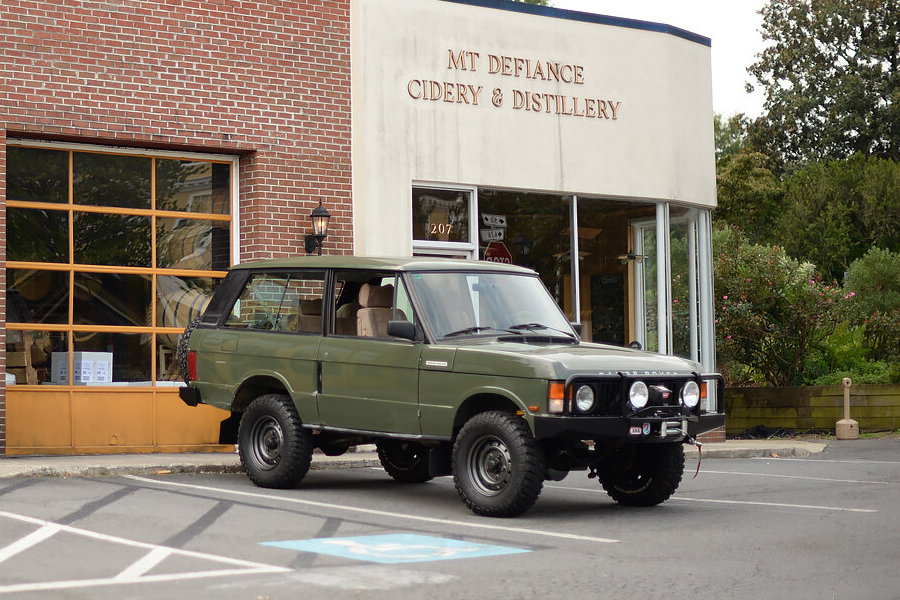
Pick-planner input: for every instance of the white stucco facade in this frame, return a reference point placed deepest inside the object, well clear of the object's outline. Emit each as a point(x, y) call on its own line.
point(629, 115)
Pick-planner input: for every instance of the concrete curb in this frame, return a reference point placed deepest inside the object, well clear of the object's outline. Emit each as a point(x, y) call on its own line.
point(226, 463)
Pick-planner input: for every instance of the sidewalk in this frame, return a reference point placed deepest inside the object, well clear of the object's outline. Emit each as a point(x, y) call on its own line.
point(150, 464)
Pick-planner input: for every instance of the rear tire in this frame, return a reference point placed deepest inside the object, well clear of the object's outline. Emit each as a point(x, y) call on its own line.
point(643, 475)
point(274, 447)
point(404, 461)
point(498, 468)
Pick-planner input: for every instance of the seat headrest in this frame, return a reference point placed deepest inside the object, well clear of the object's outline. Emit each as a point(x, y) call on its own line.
point(376, 296)
point(311, 307)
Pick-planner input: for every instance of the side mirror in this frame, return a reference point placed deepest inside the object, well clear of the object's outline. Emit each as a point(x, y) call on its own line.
point(578, 327)
point(402, 329)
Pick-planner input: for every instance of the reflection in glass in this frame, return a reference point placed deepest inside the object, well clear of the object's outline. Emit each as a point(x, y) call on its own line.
point(112, 299)
point(112, 358)
point(37, 235)
point(37, 174)
point(193, 186)
point(121, 240)
point(440, 215)
point(537, 236)
point(180, 300)
point(34, 296)
point(604, 244)
point(651, 326)
point(685, 321)
point(37, 357)
point(192, 244)
point(111, 180)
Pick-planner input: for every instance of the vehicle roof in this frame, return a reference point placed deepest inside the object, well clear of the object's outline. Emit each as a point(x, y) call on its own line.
point(417, 263)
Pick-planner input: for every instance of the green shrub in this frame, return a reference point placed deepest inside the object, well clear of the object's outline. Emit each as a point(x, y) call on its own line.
point(873, 287)
point(772, 312)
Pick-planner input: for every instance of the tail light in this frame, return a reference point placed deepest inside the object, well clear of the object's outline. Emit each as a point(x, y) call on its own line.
point(192, 365)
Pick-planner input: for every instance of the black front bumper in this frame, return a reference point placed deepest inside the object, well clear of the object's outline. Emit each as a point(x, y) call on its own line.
point(631, 429)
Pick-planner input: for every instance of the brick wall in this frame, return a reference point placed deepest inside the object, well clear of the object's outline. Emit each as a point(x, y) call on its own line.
point(266, 79)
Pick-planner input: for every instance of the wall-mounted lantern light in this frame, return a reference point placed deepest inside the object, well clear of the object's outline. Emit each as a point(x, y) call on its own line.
point(320, 217)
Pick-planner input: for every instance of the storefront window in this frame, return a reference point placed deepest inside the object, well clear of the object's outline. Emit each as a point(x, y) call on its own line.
point(532, 230)
point(607, 268)
point(99, 255)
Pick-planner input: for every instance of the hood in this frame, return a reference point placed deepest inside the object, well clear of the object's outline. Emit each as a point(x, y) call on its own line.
point(560, 361)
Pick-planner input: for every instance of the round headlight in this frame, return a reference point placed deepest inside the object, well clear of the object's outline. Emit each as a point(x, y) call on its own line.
point(690, 394)
point(584, 398)
point(638, 395)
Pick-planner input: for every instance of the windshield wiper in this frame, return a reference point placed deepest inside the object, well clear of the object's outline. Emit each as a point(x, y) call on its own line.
point(467, 331)
point(537, 326)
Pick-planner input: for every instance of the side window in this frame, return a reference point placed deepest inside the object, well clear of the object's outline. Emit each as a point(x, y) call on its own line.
point(280, 302)
point(365, 303)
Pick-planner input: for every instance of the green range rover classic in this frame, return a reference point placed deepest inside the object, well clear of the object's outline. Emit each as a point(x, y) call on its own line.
point(448, 367)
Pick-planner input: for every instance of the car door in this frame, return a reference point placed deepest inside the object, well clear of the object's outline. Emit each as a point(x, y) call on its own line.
point(369, 381)
point(273, 330)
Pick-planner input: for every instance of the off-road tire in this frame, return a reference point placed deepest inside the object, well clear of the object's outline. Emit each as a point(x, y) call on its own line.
point(643, 475)
point(181, 352)
point(498, 467)
point(404, 461)
point(274, 447)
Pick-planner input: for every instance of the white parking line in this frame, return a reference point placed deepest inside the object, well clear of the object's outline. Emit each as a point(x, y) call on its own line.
point(135, 573)
point(798, 477)
point(825, 460)
point(776, 504)
point(741, 502)
point(371, 511)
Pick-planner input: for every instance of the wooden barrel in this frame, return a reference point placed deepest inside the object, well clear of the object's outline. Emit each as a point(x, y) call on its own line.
point(188, 247)
point(177, 309)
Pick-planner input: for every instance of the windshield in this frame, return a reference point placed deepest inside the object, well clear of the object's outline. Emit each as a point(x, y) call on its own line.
point(458, 304)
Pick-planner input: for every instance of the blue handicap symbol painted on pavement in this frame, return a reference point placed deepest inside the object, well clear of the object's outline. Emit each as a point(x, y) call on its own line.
point(396, 548)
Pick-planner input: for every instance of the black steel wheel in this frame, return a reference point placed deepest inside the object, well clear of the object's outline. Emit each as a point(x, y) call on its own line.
point(643, 475)
point(404, 461)
point(498, 468)
point(274, 447)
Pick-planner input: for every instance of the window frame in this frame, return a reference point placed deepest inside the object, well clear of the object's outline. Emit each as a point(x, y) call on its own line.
point(70, 209)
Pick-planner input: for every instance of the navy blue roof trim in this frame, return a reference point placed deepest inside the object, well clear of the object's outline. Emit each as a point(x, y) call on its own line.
point(574, 15)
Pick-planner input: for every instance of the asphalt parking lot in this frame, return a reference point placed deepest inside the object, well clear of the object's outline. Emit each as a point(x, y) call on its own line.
point(825, 526)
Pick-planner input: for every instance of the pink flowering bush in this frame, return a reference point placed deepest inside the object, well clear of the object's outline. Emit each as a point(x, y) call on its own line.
point(772, 312)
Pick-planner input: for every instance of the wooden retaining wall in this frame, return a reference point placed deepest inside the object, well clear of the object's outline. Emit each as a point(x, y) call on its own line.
point(875, 407)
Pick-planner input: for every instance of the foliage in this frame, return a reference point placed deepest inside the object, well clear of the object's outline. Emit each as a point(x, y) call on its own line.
point(772, 311)
point(874, 283)
point(749, 194)
point(831, 76)
point(844, 354)
point(729, 134)
point(834, 211)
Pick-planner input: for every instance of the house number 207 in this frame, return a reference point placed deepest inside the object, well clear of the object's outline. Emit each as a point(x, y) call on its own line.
point(440, 228)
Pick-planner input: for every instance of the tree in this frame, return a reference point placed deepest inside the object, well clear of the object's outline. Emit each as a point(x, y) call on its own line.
point(729, 134)
point(873, 283)
point(833, 212)
point(831, 76)
point(749, 194)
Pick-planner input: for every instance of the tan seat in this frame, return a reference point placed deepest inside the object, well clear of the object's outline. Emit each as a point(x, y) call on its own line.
point(375, 303)
point(311, 316)
point(345, 318)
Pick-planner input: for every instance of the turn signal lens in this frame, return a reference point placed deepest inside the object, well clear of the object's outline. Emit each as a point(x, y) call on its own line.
point(556, 397)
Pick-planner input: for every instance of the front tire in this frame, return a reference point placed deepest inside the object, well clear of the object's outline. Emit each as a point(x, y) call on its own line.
point(498, 468)
point(274, 447)
point(404, 461)
point(644, 475)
